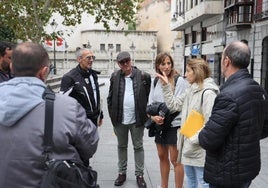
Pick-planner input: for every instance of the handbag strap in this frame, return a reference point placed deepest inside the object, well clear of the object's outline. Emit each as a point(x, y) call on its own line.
point(204, 92)
point(49, 97)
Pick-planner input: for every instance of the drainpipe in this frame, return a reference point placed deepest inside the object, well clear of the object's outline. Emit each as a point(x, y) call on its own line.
point(253, 42)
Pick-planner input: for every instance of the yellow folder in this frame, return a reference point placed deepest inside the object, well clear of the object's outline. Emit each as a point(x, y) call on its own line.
point(193, 123)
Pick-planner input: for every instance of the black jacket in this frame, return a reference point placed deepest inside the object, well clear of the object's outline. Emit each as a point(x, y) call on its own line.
point(4, 76)
point(141, 87)
point(232, 135)
point(77, 79)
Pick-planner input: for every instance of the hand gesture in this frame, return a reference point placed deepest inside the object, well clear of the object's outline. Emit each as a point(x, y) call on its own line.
point(163, 78)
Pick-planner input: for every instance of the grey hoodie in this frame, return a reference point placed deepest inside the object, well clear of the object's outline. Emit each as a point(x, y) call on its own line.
point(19, 96)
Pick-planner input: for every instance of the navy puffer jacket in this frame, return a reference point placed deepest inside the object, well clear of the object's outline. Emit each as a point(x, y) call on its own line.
point(231, 136)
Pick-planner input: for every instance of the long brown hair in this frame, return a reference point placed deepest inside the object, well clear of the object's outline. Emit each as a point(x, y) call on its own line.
point(159, 59)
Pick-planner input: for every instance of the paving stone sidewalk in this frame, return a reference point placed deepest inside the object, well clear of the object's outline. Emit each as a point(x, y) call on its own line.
point(105, 159)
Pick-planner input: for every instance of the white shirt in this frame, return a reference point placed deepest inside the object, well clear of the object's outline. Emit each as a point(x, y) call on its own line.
point(129, 103)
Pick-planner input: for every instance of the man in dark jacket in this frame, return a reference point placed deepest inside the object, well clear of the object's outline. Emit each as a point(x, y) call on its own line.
point(82, 84)
point(238, 121)
point(22, 122)
point(5, 60)
point(127, 101)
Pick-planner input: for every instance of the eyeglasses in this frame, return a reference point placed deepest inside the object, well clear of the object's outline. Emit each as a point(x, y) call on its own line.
point(91, 57)
point(124, 61)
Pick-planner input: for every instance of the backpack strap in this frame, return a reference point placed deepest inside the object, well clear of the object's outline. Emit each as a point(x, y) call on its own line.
point(146, 80)
point(175, 79)
point(49, 97)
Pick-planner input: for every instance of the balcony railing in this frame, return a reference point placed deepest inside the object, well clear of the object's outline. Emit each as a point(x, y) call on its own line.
point(239, 14)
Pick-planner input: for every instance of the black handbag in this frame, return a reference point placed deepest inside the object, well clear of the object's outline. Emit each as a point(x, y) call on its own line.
point(62, 173)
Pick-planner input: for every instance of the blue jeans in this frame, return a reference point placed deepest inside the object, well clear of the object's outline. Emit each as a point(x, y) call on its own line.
point(243, 185)
point(122, 132)
point(194, 176)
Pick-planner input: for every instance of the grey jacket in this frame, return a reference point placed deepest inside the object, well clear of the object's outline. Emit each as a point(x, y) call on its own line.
point(22, 128)
point(190, 152)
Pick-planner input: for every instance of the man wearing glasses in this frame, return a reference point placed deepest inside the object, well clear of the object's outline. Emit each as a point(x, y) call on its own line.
point(127, 101)
point(81, 83)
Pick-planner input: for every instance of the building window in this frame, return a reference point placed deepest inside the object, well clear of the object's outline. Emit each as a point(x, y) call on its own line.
point(188, 39)
point(118, 47)
point(239, 11)
point(193, 36)
point(245, 14)
point(261, 9)
point(204, 34)
point(110, 46)
point(102, 47)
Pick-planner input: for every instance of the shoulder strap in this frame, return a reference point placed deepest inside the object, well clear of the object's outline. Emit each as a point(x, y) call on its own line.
point(204, 92)
point(175, 79)
point(155, 81)
point(146, 80)
point(49, 97)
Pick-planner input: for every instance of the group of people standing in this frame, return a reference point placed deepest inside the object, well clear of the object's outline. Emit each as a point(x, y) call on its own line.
point(225, 152)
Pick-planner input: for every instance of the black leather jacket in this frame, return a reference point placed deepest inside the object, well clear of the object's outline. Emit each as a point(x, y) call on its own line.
point(78, 81)
point(141, 87)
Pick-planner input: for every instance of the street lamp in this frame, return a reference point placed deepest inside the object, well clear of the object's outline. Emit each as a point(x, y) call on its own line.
point(54, 35)
point(153, 47)
point(88, 45)
point(110, 50)
point(132, 47)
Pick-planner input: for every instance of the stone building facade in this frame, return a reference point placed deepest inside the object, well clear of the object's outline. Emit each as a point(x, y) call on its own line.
point(206, 27)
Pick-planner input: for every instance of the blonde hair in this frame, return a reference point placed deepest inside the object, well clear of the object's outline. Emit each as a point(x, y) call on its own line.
point(200, 68)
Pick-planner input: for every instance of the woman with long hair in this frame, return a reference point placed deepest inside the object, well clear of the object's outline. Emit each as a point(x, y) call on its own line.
point(166, 139)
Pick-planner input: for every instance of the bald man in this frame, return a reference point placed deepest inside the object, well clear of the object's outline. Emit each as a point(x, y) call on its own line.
point(238, 121)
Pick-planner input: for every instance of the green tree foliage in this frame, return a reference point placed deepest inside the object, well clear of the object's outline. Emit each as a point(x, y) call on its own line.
point(6, 34)
point(27, 18)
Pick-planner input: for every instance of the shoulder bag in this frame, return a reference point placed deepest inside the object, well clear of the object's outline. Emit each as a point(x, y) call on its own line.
point(62, 173)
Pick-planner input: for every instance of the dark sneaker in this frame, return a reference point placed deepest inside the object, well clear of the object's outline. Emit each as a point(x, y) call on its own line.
point(140, 181)
point(120, 179)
